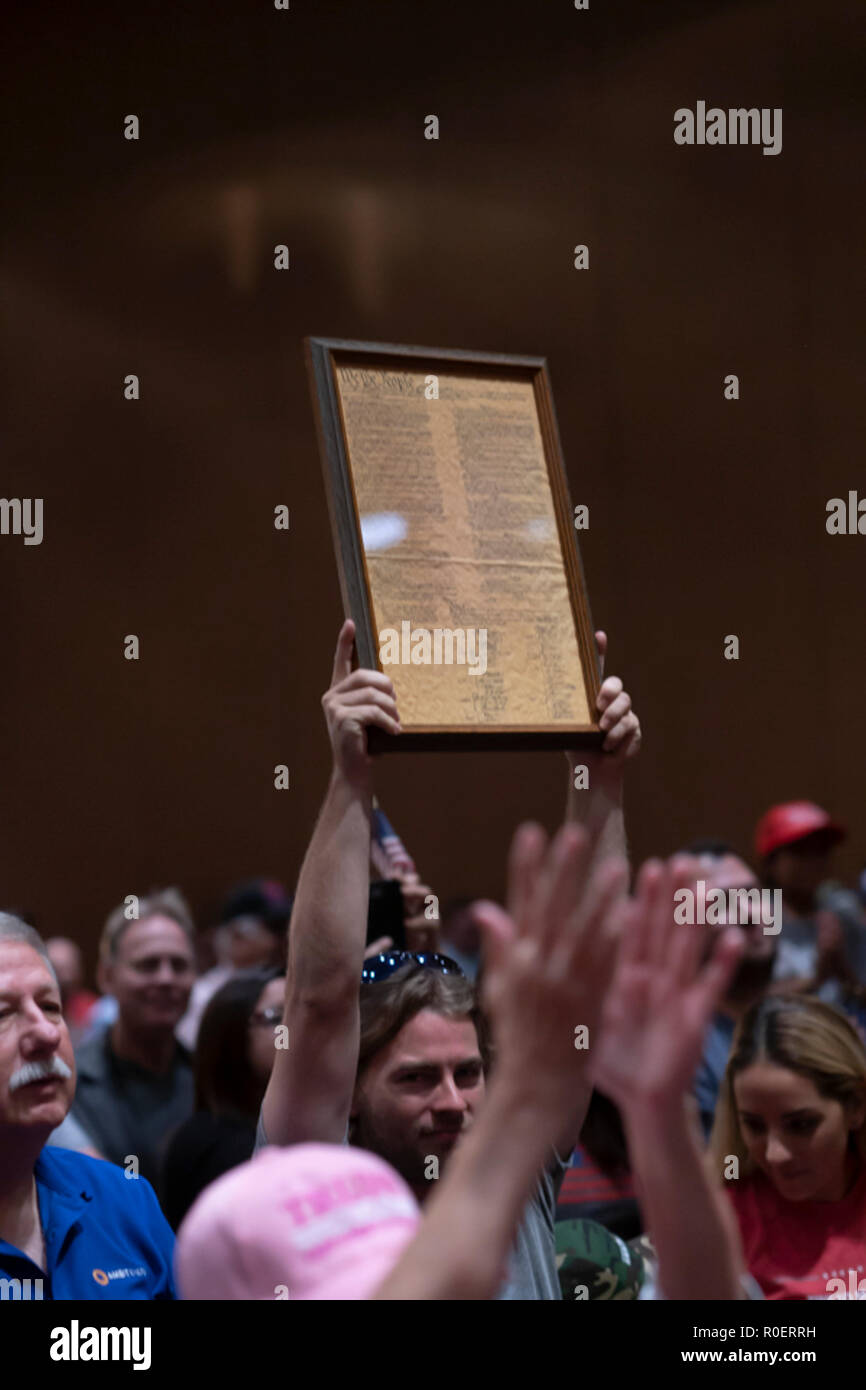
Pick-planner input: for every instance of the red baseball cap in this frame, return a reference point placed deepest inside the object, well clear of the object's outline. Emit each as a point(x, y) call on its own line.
point(792, 821)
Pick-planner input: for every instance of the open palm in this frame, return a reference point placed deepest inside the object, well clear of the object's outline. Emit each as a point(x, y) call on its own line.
point(661, 999)
point(549, 958)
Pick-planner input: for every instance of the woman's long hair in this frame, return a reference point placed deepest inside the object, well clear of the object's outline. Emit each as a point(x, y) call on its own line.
point(225, 1083)
point(805, 1036)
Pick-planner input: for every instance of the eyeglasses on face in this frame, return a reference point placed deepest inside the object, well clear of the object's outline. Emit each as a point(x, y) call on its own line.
point(266, 1018)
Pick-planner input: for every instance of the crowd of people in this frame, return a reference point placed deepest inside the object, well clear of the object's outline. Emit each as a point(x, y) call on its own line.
point(578, 1095)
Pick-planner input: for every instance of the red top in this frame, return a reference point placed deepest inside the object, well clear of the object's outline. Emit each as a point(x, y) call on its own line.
point(79, 1007)
point(795, 1249)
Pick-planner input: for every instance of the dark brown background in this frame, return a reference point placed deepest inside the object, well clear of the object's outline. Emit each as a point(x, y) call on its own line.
point(156, 257)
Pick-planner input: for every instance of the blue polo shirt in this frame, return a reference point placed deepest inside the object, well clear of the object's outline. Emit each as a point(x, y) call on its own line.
point(105, 1235)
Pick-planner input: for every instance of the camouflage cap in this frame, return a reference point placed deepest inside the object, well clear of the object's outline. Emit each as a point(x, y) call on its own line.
point(593, 1263)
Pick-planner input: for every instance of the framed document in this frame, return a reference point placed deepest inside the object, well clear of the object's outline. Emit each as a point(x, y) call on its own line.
point(456, 545)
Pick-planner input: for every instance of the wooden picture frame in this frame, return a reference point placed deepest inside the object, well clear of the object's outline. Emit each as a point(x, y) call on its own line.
point(448, 498)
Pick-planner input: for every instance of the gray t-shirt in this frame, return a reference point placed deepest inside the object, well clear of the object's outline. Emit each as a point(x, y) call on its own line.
point(129, 1110)
point(532, 1263)
point(797, 948)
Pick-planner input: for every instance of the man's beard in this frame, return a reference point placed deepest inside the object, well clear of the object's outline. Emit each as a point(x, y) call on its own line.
point(406, 1160)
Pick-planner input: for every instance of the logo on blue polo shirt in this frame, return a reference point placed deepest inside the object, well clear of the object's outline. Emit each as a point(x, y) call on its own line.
point(101, 1277)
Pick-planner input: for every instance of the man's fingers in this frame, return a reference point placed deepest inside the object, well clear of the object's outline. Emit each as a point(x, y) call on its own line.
point(686, 941)
point(659, 915)
point(608, 692)
point(617, 708)
point(524, 862)
point(605, 946)
point(597, 925)
point(626, 732)
point(662, 924)
point(718, 973)
point(632, 946)
point(684, 953)
point(378, 947)
point(601, 643)
point(497, 933)
point(353, 699)
point(361, 679)
point(415, 896)
point(372, 714)
point(343, 654)
point(560, 884)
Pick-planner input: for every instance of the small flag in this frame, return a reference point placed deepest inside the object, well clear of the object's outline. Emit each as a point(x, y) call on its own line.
point(388, 854)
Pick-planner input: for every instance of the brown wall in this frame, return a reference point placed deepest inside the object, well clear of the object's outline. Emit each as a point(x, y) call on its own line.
point(707, 516)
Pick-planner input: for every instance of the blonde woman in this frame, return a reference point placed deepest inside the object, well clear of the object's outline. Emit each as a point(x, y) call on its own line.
point(792, 1113)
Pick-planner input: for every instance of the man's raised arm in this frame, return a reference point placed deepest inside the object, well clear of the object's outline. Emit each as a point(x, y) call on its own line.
point(595, 779)
point(653, 1024)
point(595, 783)
point(310, 1090)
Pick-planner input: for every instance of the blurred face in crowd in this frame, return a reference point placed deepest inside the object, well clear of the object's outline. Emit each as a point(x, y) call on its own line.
point(460, 930)
point(266, 1016)
point(795, 1135)
point(800, 869)
point(418, 1095)
point(731, 872)
point(253, 946)
point(37, 1068)
point(66, 959)
point(152, 974)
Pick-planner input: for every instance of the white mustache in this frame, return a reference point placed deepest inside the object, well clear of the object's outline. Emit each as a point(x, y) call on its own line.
point(39, 1071)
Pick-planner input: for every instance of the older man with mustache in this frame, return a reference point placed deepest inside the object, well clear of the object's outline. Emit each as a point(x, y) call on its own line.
point(71, 1227)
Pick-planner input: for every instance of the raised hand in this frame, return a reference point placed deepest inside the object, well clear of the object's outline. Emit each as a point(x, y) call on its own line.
point(415, 895)
point(617, 717)
point(355, 700)
point(549, 958)
point(622, 730)
point(661, 998)
point(546, 964)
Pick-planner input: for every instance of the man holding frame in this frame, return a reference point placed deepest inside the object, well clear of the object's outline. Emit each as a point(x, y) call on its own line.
point(402, 1071)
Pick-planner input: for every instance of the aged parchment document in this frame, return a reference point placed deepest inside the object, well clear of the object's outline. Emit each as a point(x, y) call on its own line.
point(468, 544)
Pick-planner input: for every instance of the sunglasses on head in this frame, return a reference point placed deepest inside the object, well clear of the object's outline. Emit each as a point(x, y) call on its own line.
point(382, 966)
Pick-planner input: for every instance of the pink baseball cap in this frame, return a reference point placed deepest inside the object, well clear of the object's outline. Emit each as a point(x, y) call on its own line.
point(314, 1221)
